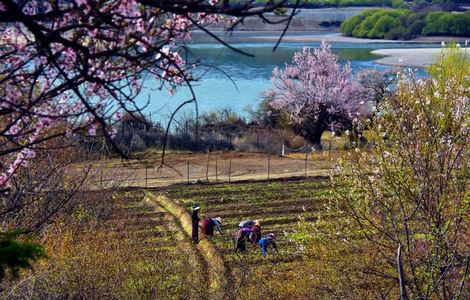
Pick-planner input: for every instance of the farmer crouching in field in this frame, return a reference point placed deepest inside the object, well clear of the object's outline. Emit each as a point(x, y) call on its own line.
point(209, 224)
point(195, 223)
point(240, 239)
point(265, 242)
point(255, 236)
point(247, 223)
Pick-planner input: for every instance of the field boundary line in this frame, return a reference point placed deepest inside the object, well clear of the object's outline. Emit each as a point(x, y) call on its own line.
point(215, 264)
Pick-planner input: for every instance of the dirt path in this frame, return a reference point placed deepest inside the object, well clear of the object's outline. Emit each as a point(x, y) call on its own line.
point(160, 231)
point(196, 261)
point(218, 276)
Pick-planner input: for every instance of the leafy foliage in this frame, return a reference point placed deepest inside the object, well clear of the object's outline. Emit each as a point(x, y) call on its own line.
point(412, 191)
point(16, 255)
point(405, 24)
point(443, 23)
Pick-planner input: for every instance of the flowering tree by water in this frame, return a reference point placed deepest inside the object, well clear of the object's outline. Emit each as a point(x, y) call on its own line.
point(78, 64)
point(317, 94)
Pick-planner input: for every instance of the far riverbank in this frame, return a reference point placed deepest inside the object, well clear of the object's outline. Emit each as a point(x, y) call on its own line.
point(308, 37)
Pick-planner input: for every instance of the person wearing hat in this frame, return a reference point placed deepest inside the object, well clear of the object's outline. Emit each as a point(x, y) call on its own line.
point(209, 224)
point(247, 223)
point(265, 242)
point(195, 223)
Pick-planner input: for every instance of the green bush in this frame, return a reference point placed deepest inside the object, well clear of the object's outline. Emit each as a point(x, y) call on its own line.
point(367, 28)
point(415, 28)
point(396, 33)
point(432, 23)
point(349, 25)
point(442, 23)
point(362, 30)
point(365, 3)
point(398, 4)
point(405, 24)
point(461, 25)
point(383, 25)
point(16, 254)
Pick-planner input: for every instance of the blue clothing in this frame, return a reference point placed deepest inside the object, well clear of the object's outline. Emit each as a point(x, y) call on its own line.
point(216, 224)
point(264, 244)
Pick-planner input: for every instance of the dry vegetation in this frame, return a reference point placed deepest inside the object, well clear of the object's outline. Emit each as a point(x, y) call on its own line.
point(113, 246)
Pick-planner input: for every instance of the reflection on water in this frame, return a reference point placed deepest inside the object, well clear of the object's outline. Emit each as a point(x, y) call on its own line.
point(265, 60)
point(249, 76)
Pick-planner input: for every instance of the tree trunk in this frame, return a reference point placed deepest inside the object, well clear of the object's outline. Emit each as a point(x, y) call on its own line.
point(401, 275)
point(312, 134)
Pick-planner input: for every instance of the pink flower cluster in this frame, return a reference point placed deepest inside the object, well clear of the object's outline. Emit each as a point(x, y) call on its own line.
point(315, 87)
point(76, 64)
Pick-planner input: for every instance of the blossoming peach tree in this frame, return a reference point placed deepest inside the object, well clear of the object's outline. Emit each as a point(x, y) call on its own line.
point(318, 94)
point(78, 64)
point(72, 68)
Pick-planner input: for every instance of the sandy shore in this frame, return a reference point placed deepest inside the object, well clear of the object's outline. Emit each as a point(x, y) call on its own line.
point(306, 37)
point(412, 57)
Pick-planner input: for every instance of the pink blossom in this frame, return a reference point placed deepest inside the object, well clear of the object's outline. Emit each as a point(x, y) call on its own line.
point(83, 68)
point(92, 131)
point(317, 93)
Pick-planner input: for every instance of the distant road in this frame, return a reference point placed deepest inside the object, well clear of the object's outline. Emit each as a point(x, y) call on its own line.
point(305, 20)
point(307, 37)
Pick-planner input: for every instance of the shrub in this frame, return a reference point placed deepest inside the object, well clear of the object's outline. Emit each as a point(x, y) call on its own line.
point(432, 22)
point(349, 25)
point(397, 33)
point(404, 24)
point(363, 29)
point(441, 23)
point(398, 4)
point(16, 255)
point(365, 3)
point(407, 201)
point(415, 28)
point(383, 25)
point(461, 25)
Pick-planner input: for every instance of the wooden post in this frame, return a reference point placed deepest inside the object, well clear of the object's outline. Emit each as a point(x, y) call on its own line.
point(146, 176)
point(229, 169)
point(216, 177)
point(207, 167)
point(329, 151)
point(306, 159)
point(269, 164)
point(187, 169)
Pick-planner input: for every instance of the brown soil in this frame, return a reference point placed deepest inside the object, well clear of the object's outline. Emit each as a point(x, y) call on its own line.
point(147, 172)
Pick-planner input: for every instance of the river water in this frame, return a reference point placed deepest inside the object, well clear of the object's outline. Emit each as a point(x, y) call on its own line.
point(227, 78)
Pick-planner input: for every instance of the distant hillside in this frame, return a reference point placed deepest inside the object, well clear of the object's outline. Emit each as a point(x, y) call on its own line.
point(414, 4)
point(326, 19)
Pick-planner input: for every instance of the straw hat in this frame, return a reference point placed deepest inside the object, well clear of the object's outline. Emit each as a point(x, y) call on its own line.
point(218, 219)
